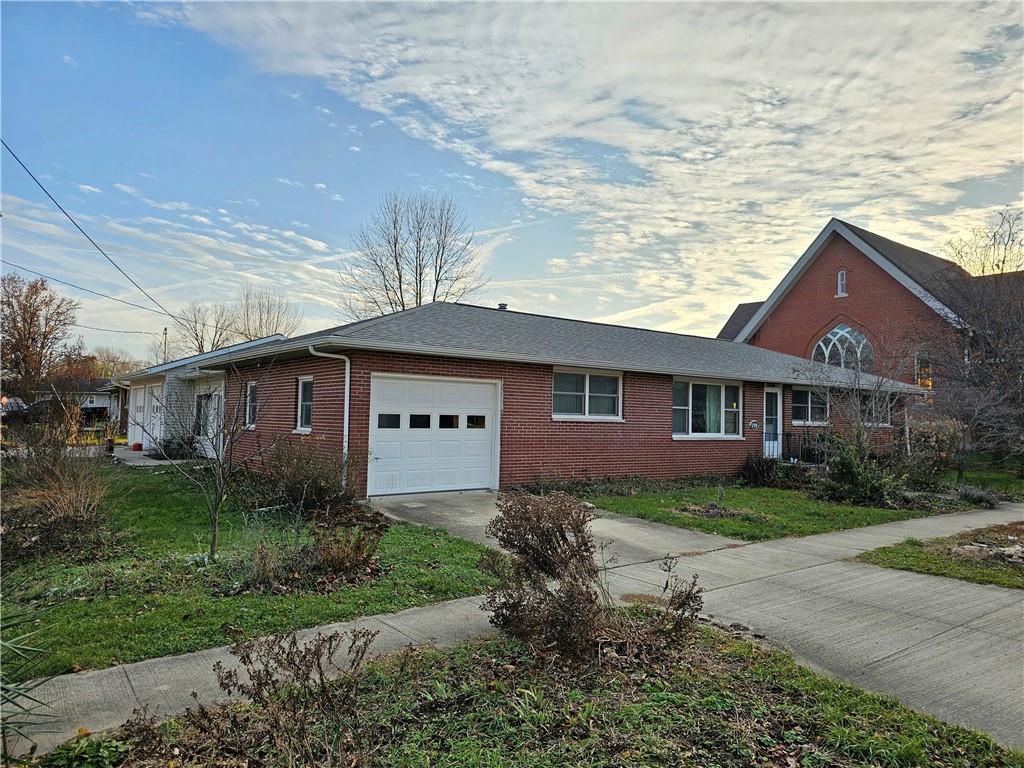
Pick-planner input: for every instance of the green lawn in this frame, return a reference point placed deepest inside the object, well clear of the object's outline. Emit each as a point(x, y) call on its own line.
point(1001, 481)
point(940, 557)
point(770, 513)
point(719, 702)
point(153, 596)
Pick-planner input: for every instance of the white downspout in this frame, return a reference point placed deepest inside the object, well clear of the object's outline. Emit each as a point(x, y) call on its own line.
point(348, 385)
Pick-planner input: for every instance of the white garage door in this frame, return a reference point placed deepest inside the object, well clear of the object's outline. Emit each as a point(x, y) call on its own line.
point(431, 434)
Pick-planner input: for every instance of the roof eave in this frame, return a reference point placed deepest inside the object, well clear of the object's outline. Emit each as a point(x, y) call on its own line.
point(833, 227)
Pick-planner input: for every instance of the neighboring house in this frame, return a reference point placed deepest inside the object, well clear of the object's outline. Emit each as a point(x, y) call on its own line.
point(453, 396)
point(97, 403)
point(118, 392)
point(857, 298)
point(180, 401)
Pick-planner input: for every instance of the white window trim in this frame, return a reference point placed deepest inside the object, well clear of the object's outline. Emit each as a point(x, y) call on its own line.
point(249, 387)
point(882, 424)
point(841, 285)
point(799, 423)
point(585, 416)
point(711, 435)
point(299, 429)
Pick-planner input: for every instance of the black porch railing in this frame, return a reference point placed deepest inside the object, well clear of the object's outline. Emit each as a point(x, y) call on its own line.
point(802, 447)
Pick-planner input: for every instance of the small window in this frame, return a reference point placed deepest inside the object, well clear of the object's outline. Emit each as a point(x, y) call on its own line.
point(448, 421)
point(585, 394)
point(475, 422)
point(841, 282)
point(569, 394)
point(305, 416)
point(680, 407)
point(809, 407)
point(250, 404)
point(389, 421)
point(923, 371)
point(732, 410)
point(419, 421)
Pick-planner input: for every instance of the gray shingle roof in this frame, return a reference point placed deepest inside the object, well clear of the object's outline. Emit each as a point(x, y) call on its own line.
point(464, 330)
point(738, 319)
point(934, 274)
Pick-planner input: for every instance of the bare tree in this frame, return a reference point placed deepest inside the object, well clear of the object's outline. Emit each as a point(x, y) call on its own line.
point(979, 371)
point(415, 249)
point(111, 362)
point(212, 447)
point(35, 330)
point(261, 312)
point(201, 327)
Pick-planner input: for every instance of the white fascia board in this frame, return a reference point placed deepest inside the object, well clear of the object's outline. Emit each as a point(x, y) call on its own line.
point(835, 226)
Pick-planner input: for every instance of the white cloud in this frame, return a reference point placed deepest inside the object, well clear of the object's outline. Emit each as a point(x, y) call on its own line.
point(170, 205)
point(289, 182)
point(323, 110)
point(703, 156)
point(70, 61)
point(320, 185)
point(354, 148)
point(89, 189)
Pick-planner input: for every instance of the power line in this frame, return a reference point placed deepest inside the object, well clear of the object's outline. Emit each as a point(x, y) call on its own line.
point(79, 228)
point(178, 318)
point(89, 290)
point(113, 330)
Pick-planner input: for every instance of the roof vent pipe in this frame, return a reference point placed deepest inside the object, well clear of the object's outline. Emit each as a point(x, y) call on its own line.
point(503, 305)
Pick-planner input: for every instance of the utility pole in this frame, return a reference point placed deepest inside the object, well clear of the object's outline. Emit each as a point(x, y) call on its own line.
point(165, 343)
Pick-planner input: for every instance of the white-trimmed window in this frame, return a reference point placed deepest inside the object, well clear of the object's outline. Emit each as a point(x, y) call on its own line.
point(809, 407)
point(304, 417)
point(250, 404)
point(841, 282)
point(586, 395)
point(876, 409)
point(706, 409)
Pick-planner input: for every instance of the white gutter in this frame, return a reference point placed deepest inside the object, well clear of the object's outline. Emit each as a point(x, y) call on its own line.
point(348, 385)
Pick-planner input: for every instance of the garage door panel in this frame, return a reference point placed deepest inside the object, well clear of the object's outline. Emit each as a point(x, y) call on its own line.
point(449, 457)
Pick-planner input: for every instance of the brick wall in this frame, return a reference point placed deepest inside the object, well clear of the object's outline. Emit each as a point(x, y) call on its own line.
point(533, 446)
point(896, 321)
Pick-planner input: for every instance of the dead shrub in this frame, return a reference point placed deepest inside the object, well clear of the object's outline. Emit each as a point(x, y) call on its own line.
point(59, 510)
point(301, 707)
point(348, 550)
point(548, 592)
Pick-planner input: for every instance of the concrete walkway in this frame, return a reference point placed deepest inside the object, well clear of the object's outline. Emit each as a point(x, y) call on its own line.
point(946, 647)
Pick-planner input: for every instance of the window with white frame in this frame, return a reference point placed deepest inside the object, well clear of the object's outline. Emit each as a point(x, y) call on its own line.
point(250, 404)
point(705, 409)
point(304, 421)
point(876, 408)
point(581, 394)
point(809, 407)
point(841, 282)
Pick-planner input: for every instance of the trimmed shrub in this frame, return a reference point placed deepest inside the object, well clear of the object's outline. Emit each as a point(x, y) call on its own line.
point(760, 471)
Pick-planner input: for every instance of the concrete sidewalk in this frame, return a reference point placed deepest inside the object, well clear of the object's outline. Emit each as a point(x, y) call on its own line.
point(946, 647)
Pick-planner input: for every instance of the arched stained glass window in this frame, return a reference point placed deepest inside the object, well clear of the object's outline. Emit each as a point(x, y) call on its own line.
point(846, 347)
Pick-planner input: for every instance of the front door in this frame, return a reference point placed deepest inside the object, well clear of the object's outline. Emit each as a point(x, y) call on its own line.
point(772, 423)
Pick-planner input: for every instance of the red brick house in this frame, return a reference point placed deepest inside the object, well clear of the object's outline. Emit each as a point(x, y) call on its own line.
point(453, 396)
point(855, 297)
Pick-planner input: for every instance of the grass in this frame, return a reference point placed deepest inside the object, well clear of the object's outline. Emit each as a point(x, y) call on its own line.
point(153, 596)
point(766, 513)
point(1002, 481)
point(719, 702)
point(942, 557)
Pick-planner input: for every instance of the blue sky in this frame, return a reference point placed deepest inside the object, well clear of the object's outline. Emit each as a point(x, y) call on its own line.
point(650, 165)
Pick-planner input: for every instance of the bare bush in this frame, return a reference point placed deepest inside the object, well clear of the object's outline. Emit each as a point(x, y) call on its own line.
point(54, 498)
point(547, 593)
point(302, 708)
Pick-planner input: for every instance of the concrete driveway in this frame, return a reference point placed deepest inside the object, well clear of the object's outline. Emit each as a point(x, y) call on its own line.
point(947, 647)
